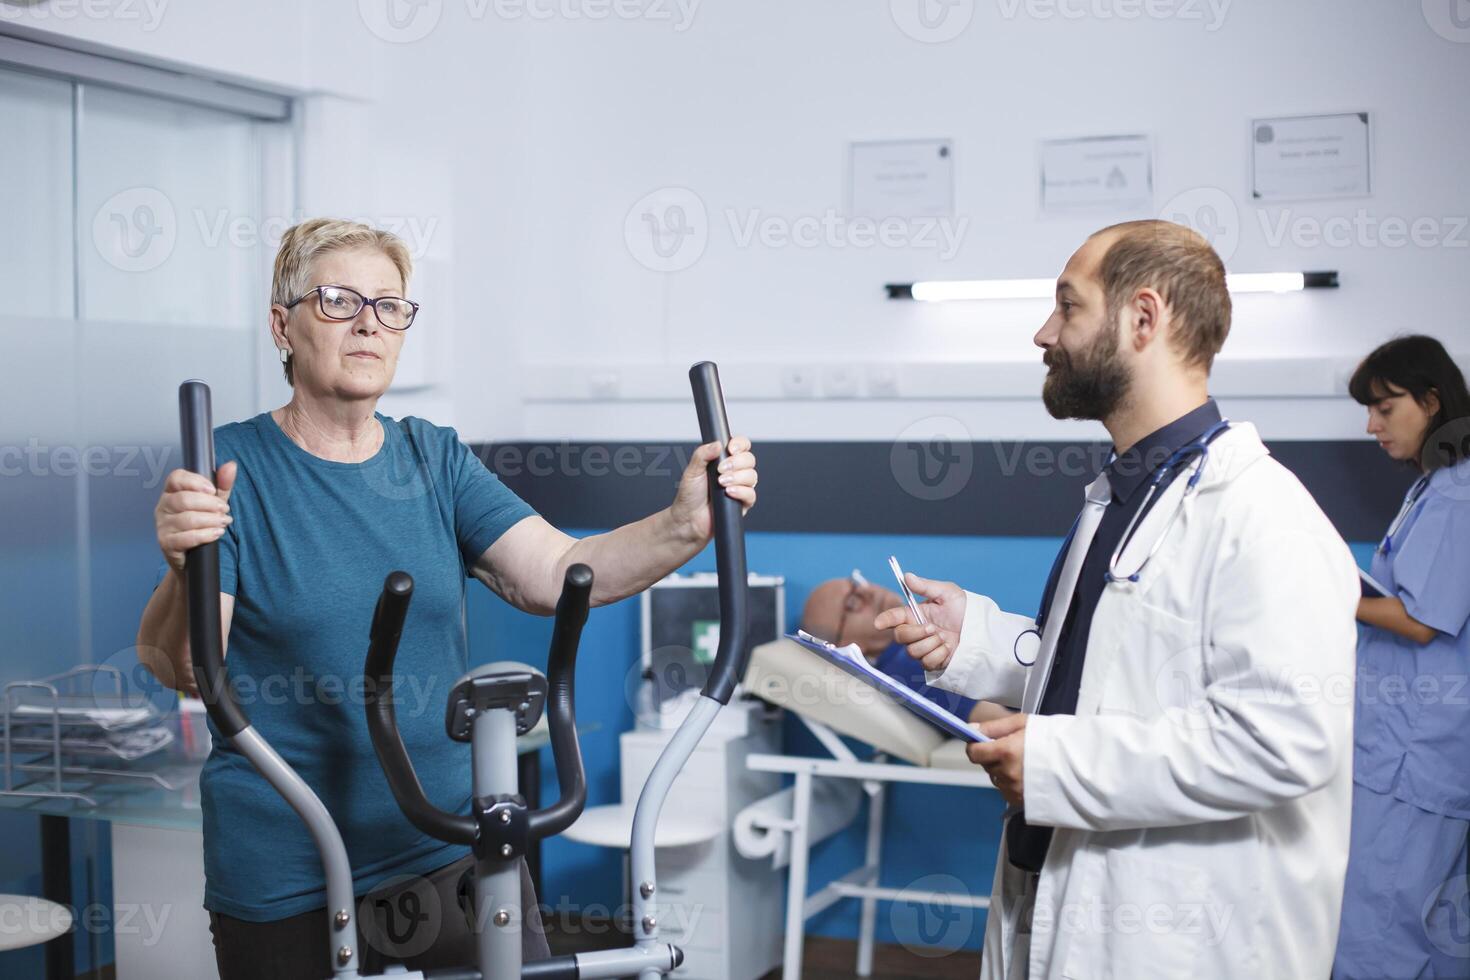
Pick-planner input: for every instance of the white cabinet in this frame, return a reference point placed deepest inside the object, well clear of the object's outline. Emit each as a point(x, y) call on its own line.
point(160, 930)
point(724, 911)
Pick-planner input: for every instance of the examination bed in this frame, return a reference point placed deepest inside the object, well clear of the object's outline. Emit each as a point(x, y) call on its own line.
point(826, 791)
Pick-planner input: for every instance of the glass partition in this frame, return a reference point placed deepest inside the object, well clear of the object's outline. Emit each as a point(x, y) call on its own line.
point(130, 260)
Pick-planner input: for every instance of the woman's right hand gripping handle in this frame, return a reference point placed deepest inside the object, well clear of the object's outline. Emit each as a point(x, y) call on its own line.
point(191, 511)
point(935, 643)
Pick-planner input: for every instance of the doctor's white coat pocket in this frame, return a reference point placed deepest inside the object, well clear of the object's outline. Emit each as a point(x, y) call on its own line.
point(1163, 668)
point(1154, 923)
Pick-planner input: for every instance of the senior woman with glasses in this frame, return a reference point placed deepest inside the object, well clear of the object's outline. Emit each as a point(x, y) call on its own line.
point(312, 505)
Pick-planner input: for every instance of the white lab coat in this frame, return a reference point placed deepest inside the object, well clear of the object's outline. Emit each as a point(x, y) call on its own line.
point(1201, 793)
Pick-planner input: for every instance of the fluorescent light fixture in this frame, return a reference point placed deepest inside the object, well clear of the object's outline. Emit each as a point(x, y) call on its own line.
point(941, 290)
point(1265, 282)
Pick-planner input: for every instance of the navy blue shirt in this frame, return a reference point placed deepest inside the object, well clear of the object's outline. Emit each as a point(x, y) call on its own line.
point(1128, 476)
point(311, 542)
point(896, 663)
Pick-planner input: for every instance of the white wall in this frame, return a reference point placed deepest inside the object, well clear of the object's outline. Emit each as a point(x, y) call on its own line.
point(558, 127)
point(511, 138)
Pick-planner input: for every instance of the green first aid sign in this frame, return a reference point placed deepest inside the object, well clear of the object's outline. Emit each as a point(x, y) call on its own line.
point(706, 640)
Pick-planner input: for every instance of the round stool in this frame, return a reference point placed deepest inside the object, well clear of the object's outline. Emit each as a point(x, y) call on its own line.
point(26, 920)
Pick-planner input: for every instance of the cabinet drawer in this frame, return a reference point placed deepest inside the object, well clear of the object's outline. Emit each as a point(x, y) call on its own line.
point(694, 924)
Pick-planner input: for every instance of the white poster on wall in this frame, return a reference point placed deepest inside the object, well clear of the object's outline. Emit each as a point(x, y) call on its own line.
point(1311, 157)
point(1097, 174)
point(901, 178)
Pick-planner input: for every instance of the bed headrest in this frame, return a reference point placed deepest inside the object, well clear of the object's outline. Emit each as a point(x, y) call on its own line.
point(787, 674)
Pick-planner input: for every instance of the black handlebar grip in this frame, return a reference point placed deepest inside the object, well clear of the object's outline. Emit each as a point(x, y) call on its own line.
point(732, 657)
point(561, 671)
point(201, 571)
point(389, 614)
point(382, 722)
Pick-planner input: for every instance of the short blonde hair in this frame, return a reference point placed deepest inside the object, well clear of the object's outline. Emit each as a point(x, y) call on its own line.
point(303, 244)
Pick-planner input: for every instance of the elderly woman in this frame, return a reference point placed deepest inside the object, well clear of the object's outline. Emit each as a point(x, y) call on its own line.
point(312, 504)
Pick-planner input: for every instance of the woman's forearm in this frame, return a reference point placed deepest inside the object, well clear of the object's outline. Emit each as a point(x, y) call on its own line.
point(1388, 612)
point(527, 564)
point(631, 558)
point(163, 635)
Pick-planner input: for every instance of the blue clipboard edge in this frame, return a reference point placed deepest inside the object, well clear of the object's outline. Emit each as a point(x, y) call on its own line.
point(946, 721)
point(1371, 587)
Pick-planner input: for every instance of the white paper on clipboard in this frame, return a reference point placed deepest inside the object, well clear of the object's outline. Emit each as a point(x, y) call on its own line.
point(850, 658)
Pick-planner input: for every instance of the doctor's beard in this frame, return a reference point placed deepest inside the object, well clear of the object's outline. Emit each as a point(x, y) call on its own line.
point(1091, 385)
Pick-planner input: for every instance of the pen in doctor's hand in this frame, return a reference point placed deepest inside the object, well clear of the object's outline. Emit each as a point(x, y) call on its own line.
point(934, 643)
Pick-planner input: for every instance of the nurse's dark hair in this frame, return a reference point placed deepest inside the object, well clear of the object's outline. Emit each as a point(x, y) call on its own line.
point(1419, 365)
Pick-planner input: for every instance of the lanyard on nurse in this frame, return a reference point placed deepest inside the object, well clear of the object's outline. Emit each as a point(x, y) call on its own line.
point(1412, 498)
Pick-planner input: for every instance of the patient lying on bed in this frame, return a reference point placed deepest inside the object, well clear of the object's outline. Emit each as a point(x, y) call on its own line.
point(841, 611)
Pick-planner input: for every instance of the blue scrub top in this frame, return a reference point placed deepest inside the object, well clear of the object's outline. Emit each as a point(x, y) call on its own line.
point(1412, 728)
point(305, 559)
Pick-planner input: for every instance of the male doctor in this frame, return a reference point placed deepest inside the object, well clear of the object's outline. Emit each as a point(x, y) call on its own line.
point(1180, 772)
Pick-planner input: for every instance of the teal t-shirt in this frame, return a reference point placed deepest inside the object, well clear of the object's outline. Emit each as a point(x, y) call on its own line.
point(305, 558)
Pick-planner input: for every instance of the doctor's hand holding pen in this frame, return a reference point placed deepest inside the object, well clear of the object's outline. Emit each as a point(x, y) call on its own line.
point(933, 635)
point(931, 632)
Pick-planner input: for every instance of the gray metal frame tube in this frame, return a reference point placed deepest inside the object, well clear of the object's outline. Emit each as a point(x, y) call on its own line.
point(497, 880)
point(656, 959)
point(341, 938)
point(645, 821)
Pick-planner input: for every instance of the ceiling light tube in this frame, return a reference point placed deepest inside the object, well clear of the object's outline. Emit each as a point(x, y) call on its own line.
point(941, 290)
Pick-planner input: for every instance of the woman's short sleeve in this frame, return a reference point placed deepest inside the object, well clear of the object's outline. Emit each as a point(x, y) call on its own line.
point(484, 508)
point(1432, 568)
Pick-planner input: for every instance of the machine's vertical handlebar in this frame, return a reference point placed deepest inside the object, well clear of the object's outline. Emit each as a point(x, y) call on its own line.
point(201, 570)
point(382, 723)
point(388, 617)
point(561, 673)
point(714, 425)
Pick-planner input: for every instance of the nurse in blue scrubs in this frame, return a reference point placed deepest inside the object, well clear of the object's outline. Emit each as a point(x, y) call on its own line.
point(1406, 908)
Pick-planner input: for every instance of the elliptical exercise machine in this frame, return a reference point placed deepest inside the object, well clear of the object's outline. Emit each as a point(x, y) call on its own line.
point(488, 707)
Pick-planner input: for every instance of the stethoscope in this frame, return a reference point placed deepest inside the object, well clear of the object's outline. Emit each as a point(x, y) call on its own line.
point(1415, 492)
point(1201, 447)
point(1180, 455)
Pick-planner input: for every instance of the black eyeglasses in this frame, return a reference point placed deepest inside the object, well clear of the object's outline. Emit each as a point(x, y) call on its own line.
point(342, 303)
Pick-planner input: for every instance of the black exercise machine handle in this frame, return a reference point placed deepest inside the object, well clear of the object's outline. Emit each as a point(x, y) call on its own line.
point(561, 710)
point(386, 630)
point(201, 571)
point(732, 657)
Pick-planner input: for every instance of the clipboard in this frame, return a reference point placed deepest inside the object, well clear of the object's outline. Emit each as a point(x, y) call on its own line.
point(851, 660)
point(1371, 587)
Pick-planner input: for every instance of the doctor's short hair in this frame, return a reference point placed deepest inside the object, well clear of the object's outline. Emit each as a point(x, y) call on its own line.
point(1179, 263)
point(304, 243)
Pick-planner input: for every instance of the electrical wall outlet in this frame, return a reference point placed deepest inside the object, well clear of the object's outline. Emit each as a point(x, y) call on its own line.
point(604, 385)
point(840, 381)
point(799, 382)
point(882, 381)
